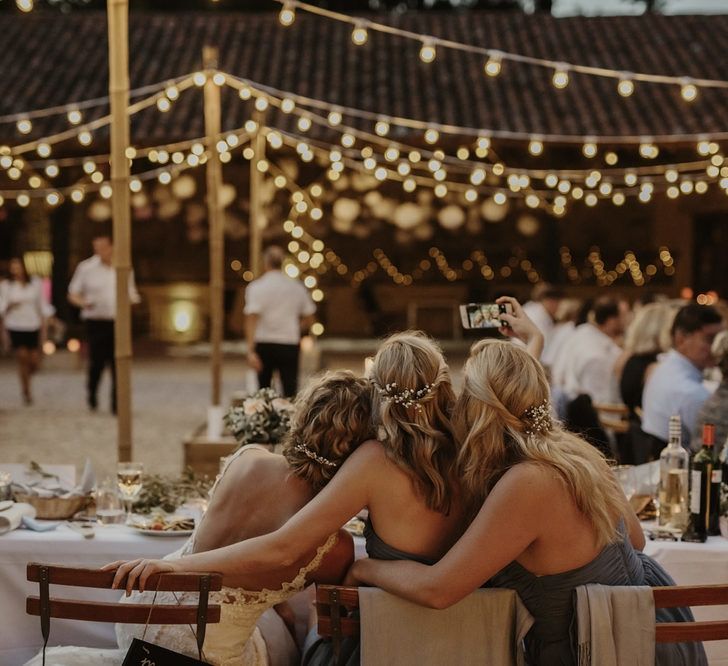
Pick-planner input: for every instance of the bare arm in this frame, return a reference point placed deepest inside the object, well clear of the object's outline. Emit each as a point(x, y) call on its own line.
point(307, 321)
point(345, 495)
point(506, 525)
point(521, 327)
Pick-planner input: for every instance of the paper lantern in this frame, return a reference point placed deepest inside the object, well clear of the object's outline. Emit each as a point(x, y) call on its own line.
point(227, 195)
point(451, 217)
point(408, 216)
point(346, 210)
point(528, 225)
point(184, 187)
point(494, 212)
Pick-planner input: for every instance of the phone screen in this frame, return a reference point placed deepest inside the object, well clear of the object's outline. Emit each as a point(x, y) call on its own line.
point(482, 315)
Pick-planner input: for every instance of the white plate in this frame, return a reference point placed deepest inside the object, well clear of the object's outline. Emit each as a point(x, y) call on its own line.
point(162, 533)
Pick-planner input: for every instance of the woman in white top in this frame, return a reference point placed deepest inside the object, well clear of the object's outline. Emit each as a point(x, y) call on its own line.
point(22, 310)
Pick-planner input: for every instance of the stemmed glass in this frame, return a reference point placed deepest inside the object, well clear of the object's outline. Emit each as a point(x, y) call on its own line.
point(129, 478)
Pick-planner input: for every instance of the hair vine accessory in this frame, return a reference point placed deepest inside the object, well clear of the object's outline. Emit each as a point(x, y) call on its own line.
point(314, 456)
point(405, 397)
point(538, 418)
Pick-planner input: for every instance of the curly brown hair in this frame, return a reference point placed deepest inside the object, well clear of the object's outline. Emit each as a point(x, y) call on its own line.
point(332, 416)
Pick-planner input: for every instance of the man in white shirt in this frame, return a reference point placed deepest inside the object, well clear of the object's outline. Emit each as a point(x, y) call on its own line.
point(589, 367)
point(541, 309)
point(276, 308)
point(93, 289)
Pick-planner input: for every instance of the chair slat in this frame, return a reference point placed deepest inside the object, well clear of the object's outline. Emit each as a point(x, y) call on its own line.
point(88, 611)
point(348, 596)
point(95, 578)
point(697, 595)
point(349, 627)
point(679, 632)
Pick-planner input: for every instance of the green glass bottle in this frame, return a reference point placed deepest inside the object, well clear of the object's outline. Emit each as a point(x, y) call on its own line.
point(701, 482)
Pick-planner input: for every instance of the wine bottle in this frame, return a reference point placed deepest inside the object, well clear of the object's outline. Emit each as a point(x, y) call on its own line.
point(715, 483)
point(701, 479)
point(673, 489)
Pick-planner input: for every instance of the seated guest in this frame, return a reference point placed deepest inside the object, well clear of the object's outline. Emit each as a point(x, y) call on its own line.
point(647, 336)
point(676, 385)
point(258, 492)
point(715, 408)
point(593, 352)
point(549, 516)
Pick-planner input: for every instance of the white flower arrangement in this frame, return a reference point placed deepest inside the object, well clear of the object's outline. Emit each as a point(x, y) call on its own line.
point(262, 418)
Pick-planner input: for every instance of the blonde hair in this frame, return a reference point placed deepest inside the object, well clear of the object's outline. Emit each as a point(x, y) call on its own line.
point(503, 382)
point(649, 331)
point(331, 417)
point(418, 437)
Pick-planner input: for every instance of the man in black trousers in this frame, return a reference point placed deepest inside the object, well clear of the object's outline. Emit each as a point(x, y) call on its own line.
point(93, 289)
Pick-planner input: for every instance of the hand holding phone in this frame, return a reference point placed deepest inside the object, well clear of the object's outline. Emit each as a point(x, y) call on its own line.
point(484, 315)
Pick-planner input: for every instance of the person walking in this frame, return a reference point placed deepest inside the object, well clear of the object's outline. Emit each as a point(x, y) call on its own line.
point(24, 316)
point(277, 307)
point(93, 289)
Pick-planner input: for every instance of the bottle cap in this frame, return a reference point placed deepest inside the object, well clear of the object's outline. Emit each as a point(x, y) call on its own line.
point(708, 434)
point(675, 428)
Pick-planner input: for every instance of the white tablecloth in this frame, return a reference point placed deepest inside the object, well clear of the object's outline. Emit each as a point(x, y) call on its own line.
point(20, 636)
point(698, 564)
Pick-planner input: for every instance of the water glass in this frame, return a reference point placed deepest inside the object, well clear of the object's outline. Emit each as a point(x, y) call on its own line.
point(129, 477)
point(627, 479)
point(109, 508)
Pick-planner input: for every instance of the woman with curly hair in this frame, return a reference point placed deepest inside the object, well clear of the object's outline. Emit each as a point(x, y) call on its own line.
point(257, 492)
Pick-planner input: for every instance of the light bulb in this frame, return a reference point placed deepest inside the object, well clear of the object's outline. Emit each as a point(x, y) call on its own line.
point(625, 87)
point(431, 136)
point(381, 127)
point(689, 92)
point(261, 103)
point(287, 14)
point(560, 78)
point(74, 116)
point(43, 150)
point(25, 126)
point(335, 118)
point(287, 105)
point(427, 52)
point(493, 65)
point(589, 149)
point(359, 35)
point(535, 147)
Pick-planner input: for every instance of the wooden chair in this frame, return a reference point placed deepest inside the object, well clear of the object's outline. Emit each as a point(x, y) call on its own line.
point(335, 604)
point(613, 417)
point(199, 614)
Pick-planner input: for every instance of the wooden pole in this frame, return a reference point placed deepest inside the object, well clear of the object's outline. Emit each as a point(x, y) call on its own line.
point(216, 222)
point(256, 203)
point(118, 18)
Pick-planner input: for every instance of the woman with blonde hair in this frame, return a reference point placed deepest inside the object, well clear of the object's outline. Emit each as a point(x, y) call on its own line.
point(647, 336)
point(548, 513)
point(407, 480)
point(257, 492)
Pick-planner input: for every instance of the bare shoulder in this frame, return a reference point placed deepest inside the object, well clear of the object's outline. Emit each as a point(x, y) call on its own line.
point(533, 476)
point(368, 453)
point(252, 464)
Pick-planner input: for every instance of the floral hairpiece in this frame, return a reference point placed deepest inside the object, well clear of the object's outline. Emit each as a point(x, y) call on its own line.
point(538, 418)
point(405, 397)
point(314, 456)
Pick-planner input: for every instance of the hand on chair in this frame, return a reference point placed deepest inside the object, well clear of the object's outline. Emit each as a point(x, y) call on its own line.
point(133, 570)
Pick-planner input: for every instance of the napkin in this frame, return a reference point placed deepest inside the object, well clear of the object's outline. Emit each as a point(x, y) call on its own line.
point(11, 518)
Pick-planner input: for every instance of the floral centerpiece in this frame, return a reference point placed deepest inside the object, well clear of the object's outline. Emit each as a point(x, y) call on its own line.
point(262, 418)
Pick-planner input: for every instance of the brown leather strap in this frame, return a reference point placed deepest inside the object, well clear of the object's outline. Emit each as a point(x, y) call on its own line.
point(45, 607)
point(202, 613)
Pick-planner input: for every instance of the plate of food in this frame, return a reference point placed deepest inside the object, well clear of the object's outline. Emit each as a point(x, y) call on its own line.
point(164, 526)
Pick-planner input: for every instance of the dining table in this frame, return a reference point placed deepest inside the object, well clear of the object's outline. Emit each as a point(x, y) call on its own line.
point(20, 636)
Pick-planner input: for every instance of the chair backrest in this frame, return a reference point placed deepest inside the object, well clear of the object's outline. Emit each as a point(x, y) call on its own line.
point(613, 417)
point(46, 607)
point(334, 605)
point(697, 595)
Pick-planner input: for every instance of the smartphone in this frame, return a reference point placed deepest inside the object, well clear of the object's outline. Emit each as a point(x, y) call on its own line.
point(483, 315)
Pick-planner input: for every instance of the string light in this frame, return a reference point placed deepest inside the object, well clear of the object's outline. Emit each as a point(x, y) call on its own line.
point(535, 147)
point(493, 64)
point(24, 5)
point(428, 52)
point(560, 78)
point(25, 126)
point(689, 92)
point(431, 136)
point(334, 118)
point(589, 149)
point(287, 14)
point(359, 35)
point(625, 87)
point(381, 127)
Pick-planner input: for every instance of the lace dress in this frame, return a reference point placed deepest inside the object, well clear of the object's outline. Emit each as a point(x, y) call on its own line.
point(234, 641)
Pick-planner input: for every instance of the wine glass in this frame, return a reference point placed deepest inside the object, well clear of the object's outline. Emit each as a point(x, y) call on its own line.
point(627, 479)
point(129, 479)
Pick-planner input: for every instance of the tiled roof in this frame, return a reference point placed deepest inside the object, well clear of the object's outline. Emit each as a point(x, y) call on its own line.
point(50, 60)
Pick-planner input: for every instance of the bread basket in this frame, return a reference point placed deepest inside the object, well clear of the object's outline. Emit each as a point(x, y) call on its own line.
point(55, 508)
